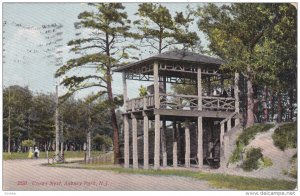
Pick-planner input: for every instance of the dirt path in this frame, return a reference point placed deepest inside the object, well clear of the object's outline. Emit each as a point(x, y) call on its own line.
point(31, 175)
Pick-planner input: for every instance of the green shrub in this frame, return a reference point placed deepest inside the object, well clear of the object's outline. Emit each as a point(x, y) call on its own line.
point(264, 162)
point(142, 91)
point(236, 155)
point(293, 170)
point(28, 143)
point(286, 136)
point(267, 162)
point(252, 159)
point(102, 142)
point(243, 140)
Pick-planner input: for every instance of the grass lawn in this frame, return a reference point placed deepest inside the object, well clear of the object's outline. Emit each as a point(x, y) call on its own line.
point(68, 154)
point(286, 136)
point(216, 180)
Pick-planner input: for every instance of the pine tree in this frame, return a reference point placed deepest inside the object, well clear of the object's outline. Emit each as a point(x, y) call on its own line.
point(105, 45)
point(161, 30)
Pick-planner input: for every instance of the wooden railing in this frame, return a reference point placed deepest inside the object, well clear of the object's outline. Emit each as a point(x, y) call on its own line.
point(178, 102)
point(218, 103)
point(56, 159)
point(182, 102)
point(138, 103)
point(103, 158)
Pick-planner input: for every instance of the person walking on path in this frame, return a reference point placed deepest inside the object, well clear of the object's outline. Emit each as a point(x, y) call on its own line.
point(30, 153)
point(36, 153)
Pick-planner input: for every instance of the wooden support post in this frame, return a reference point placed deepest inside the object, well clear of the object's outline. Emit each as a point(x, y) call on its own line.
point(163, 144)
point(146, 142)
point(209, 86)
point(157, 117)
point(156, 86)
point(226, 149)
point(222, 155)
point(187, 144)
point(146, 137)
point(157, 142)
point(174, 144)
point(126, 141)
point(200, 143)
point(164, 129)
point(199, 82)
point(236, 96)
point(200, 126)
point(221, 135)
point(124, 90)
point(229, 124)
point(134, 142)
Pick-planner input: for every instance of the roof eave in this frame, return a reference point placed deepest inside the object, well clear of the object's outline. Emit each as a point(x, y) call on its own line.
point(151, 59)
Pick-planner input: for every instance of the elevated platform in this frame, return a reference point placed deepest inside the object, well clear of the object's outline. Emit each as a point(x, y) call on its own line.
point(171, 115)
point(178, 107)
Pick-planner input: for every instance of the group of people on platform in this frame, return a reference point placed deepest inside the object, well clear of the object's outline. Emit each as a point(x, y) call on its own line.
point(216, 92)
point(224, 93)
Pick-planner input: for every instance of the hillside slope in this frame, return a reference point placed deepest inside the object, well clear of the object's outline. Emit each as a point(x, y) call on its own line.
point(281, 159)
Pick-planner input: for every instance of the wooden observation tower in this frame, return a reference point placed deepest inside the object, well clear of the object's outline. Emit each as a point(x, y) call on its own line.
point(205, 117)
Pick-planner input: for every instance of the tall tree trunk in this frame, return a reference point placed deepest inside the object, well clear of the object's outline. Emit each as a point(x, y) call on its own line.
point(264, 104)
point(114, 123)
point(89, 135)
point(61, 137)
point(9, 137)
point(291, 95)
point(279, 107)
point(272, 105)
point(111, 99)
point(88, 146)
point(160, 41)
point(250, 103)
point(244, 97)
point(56, 123)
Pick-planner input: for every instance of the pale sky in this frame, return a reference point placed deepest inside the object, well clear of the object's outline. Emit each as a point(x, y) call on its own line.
point(24, 59)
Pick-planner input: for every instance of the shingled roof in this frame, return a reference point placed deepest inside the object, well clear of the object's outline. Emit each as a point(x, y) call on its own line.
point(182, 56)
